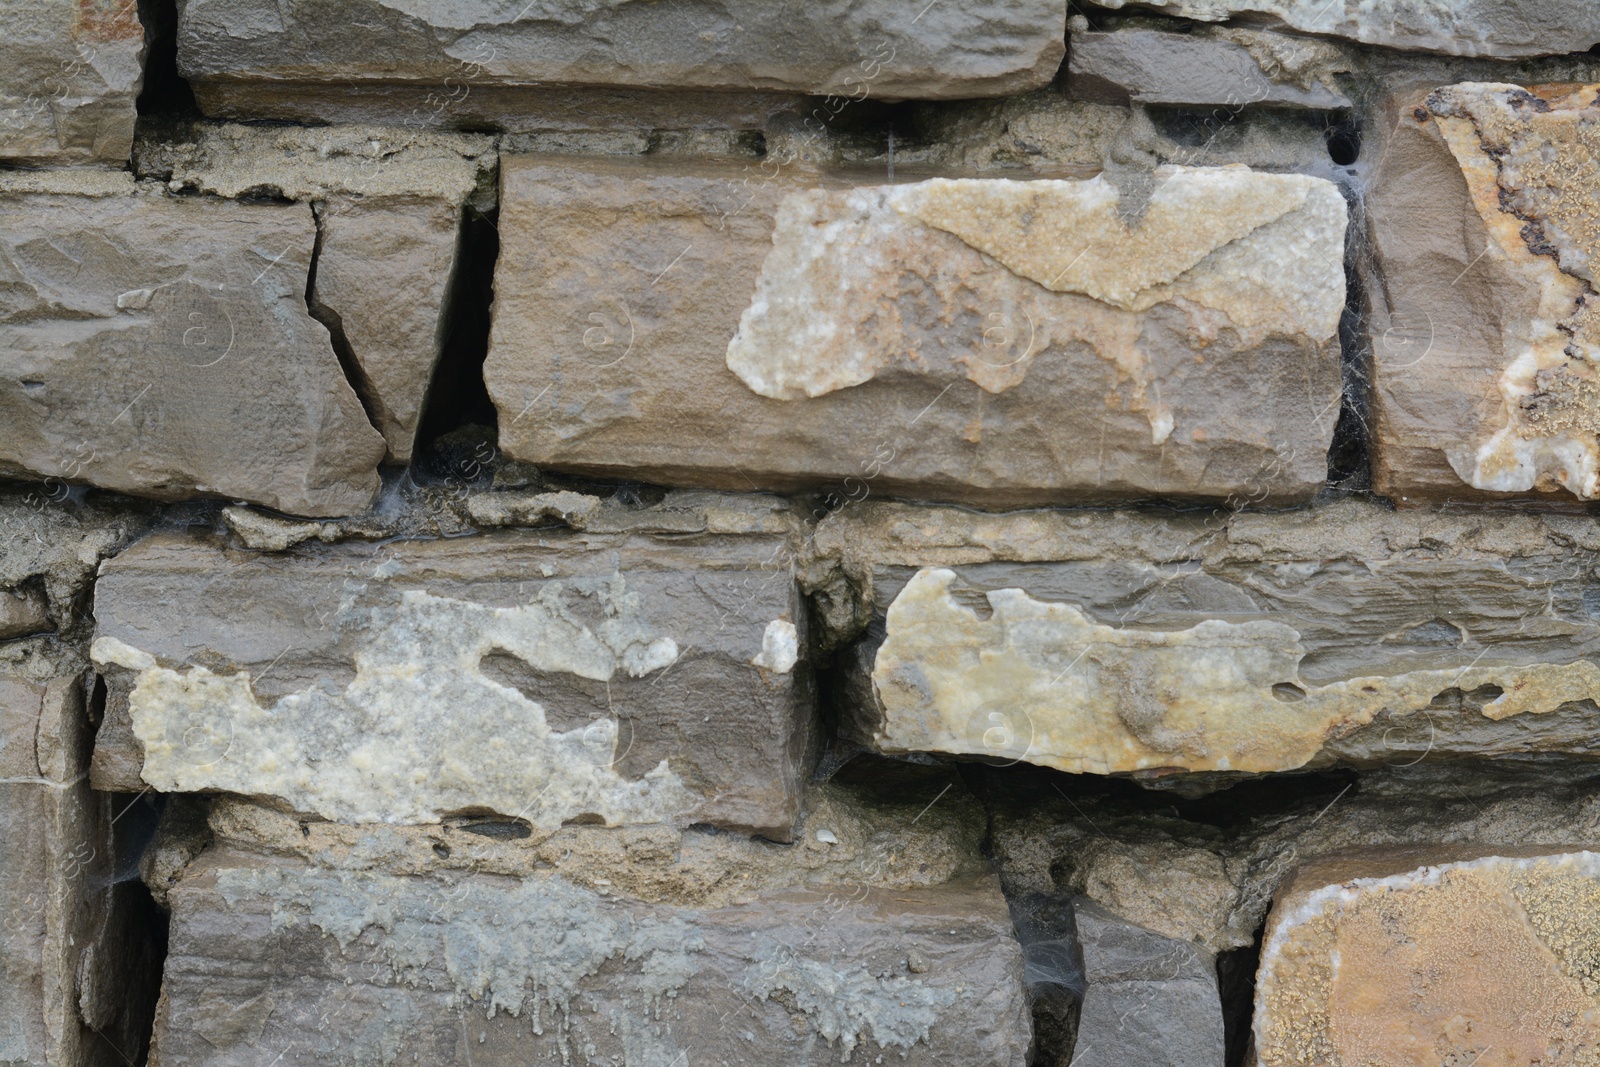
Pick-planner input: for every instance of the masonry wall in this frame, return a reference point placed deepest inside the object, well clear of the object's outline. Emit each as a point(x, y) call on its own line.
point(655, 534)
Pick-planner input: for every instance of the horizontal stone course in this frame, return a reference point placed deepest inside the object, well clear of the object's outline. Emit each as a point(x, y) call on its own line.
point(683, 323)
point(545, 677)
point(1125, 643)
point(232, 49)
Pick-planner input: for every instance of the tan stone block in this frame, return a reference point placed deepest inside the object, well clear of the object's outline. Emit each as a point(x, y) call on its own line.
point(984, 341)
point(69, 73)
point(1485, 321)
point(1401, 959)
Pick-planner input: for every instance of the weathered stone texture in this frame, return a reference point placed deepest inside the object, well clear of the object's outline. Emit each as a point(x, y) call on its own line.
point(1483, 231)
point(1234, 68)
point(69, 73)
point(1120, 642)
point(228, 48)
point(546, 677)
point(1147, 999)
point(74, 974)
point(1394, 959)
point(163, 347)
point(975, 340)
point(389, 207)
point(1500, 28)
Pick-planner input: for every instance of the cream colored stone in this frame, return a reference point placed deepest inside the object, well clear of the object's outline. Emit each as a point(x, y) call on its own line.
point(1372, 961)
point(1042, 682)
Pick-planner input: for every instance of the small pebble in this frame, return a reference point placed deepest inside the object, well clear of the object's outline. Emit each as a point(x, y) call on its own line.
point(827, 837)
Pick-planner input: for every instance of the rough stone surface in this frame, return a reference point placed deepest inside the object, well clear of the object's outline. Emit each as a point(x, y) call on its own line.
point(1147, 999)
point(1121, 642)
point(74, 978)
point(1206, 870)
point(545, 677)
point(856, 48)
point(346, 966)
point(163, 347)
point(1487, 322)
point(384, 269)
point(389, 212)
point(1395, 959)
point(1501, 28)
point(675, 322)
point(1234, 69)
point(69, 73)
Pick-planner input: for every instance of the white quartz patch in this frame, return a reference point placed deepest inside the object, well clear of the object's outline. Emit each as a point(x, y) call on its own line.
point(421, 731)
point(780, 647)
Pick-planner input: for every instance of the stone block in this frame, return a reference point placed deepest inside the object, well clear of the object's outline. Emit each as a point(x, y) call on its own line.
point(986, 341)
point(317, 966)
point(74, 965)
point(69, 73)
point(389, 207)
point(1116, 642)
point(1234, 68)
point(1504, 29)
point(1485, 321)
point(1396, 958)
point(548, 677)
point(162, 346)
point(1147, 999)
point(231, 50)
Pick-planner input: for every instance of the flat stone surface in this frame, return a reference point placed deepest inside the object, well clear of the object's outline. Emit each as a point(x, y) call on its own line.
point(1232, 69)
point(383, 274)
point(985, 341)
point(860, 47)
point(162, 347)
point(1501, 28)
point(320, 966)
point(1148, 999)
point(1485, 327)
point(1402, 959)
point(1106, 642)
point(69, 74)
point(546, 677)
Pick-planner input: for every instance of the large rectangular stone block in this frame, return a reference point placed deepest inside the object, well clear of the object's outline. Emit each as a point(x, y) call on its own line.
point(1485, 322)
point(855, 48)
point(69, 73)
point(984, 341)
point(1505, 29)
point(1394, 957)
point(275, 959)
point(1105, 642)
point(162, 346)
point(546, 676)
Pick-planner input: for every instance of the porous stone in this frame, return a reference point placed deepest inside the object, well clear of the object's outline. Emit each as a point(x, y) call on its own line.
point(75, 972)
point(1486, 325)
point(545, 677)
point(1147, 999)
point(1235, 68)
point(986, 341)
point(1500, 28)
point(1106, 642)
point(163, 347)
point(69, 73)
point(229, 48)
point(1403, 958)
point(332, 966)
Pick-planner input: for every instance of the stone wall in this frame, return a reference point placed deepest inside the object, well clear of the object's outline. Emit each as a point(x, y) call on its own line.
point(658, 534)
